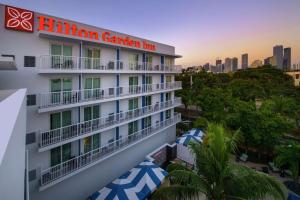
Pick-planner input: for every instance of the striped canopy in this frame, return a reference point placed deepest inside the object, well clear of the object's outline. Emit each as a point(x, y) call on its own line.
point(136, 184)
point(194, 135)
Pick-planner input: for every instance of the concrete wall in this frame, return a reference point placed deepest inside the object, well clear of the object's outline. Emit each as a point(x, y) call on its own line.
point(85, 183)
point(12, 146)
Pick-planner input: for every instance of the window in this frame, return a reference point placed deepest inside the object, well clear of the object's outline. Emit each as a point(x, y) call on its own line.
point(133, 80)
point(61, 56)
point(147, 122)
point(297, 76)
point(31, 100)
point(168, 62)
point(92, 112)
point(133, 104)
point(60, 154)
point(149, 59)
point(92, 58)
point(168, 96)
point(29, 61)
point(168, 114)
point(133, 61)
point(148, 80)
point(91, 143)
point(132, 127)
point(30, 138)
point(168, 79)
point(60, 119)
point(58, 85)
point(148, 100)
point(92, 87)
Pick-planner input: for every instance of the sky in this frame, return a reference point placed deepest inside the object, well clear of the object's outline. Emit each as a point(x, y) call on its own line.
point(200, 30)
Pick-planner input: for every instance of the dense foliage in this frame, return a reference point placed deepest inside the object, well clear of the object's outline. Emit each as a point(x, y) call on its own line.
point(262, 103)
point(216, 177)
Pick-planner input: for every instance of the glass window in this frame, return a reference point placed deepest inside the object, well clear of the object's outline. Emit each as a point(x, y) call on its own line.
point(132, 127)
point(147, 122)
point(56, 49)
point(66, 152)
point(67, 50)
point(88, 83)
point(87, 113)
point(168, 96)
point(55, 120)
point(168, 79)
point(66, 118)
point(168, 114)
point(96, 141)
point(148, 100)
point(55, 156)
point(133, 80)
point(96, 82)
point(67, 84)
point(96, 112)
point(87, 144)
point(133, 104)
point(148, 79)
point(55, 85)
point(168, 61)
point(133, 60)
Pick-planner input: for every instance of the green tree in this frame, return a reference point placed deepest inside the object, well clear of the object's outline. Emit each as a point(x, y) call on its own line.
point(200, 123)
point(216, 176)
point(289, 155)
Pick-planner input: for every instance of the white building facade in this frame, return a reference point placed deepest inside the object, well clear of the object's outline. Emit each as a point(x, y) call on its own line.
point(98, 101)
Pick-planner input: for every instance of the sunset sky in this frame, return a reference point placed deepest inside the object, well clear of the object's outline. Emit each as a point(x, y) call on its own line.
point(201, 30)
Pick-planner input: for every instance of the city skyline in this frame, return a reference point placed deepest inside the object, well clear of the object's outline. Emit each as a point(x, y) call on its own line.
point(208, 28)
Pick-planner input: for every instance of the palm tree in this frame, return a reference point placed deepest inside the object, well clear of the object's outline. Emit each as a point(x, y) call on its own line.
point(289, 155)
point(216, 177)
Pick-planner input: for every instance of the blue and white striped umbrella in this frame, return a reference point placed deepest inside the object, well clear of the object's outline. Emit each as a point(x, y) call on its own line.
point(136, 184)
point(194, 134)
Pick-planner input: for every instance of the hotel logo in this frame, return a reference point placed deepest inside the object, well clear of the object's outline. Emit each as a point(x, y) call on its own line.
point(19, 19)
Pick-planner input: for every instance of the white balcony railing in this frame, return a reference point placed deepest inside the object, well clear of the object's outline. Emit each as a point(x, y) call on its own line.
point(53, 99)
point(53, 173)
point(55, 62)
point(54, 136)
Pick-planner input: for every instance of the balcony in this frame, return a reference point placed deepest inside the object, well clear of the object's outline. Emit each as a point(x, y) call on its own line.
point(56, 137)
point(77, 164)
point(71, 64)
point(67, 99)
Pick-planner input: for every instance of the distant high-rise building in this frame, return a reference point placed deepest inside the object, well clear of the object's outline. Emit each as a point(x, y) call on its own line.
point(206, 67)
point(234, 64)
point(227, 65)
point(245, 61)
point(287, 57)
point(219, 65)
point(256, 63)
point(270, 61)
point(278, 56)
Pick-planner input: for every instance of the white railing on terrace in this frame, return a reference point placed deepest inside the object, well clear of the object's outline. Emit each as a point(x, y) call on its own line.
point(74, 164)
point(78, 63)
point(53, 99)
point(65, 133)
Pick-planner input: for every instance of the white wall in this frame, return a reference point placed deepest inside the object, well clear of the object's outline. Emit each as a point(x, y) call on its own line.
point(12, 146)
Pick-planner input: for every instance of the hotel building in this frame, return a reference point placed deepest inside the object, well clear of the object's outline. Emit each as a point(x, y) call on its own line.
point(98, 101)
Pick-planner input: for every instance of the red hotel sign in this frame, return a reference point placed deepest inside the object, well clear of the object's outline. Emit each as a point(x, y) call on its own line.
point(49, 24)
point(23, 20)
point(19, 19)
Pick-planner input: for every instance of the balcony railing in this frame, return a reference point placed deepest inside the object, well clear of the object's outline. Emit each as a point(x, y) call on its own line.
point(57, 62)
point(53, 173)
point(53, 99)
point(54, 136)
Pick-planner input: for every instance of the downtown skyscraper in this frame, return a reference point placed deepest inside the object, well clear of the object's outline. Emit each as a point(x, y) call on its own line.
point(245, 61)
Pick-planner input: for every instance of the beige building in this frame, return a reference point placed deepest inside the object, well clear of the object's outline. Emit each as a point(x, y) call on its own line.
point(256, 63)
point(296, 76)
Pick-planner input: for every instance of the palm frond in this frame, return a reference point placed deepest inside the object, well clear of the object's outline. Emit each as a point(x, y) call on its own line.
point(177, 192)
point(247, 183)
